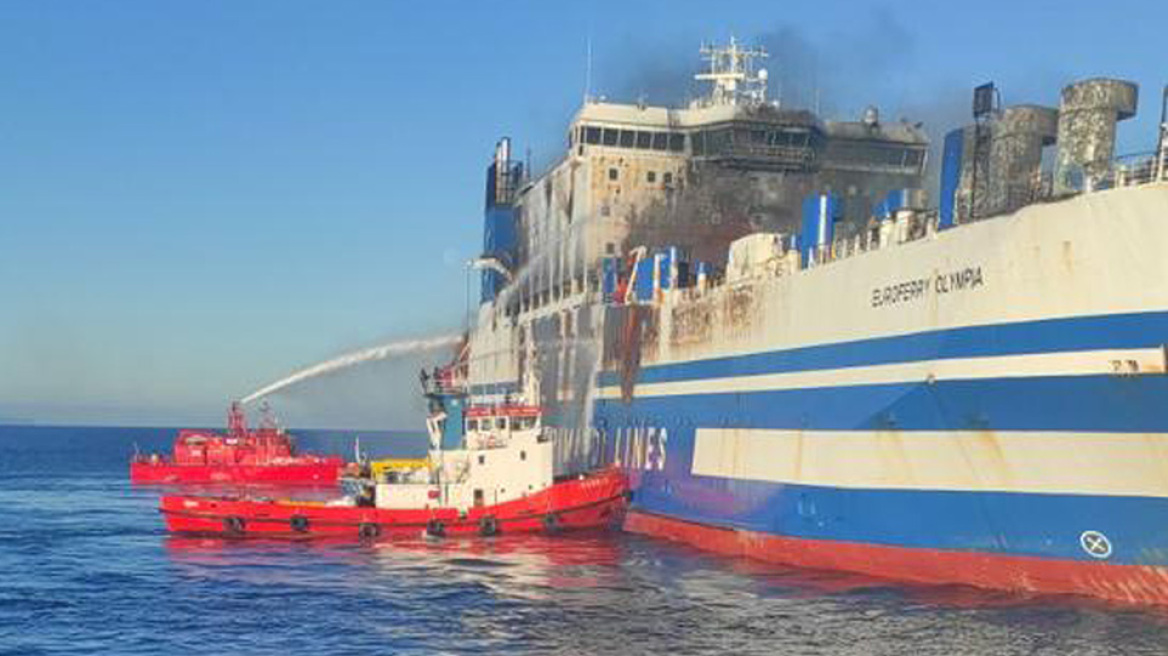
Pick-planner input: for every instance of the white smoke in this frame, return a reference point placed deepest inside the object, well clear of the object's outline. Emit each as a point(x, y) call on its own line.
point(371, 354)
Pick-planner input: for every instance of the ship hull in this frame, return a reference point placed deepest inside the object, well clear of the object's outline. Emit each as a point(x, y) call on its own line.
point(596, 501)
point(988, 407)
point(320, 471)
point(1029, 575)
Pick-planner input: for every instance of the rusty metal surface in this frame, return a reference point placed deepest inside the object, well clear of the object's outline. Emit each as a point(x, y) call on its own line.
point(1088, 115)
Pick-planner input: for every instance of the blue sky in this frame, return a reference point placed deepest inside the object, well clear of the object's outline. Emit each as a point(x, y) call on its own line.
point(199, 197)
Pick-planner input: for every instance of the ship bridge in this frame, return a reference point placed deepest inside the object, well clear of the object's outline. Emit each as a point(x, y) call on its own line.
point(732, 161)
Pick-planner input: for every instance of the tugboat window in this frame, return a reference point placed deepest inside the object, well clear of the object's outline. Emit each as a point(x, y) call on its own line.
point(613, 174)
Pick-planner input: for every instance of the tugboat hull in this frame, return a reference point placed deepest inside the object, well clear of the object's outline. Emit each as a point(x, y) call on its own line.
point(596, 501)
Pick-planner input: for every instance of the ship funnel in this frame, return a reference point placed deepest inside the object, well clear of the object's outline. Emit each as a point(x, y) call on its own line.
point(1018, 136)
point(1088, 115)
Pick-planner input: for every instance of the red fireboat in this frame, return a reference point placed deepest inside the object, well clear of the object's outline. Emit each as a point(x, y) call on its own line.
point(265, 455)
point(489, 471)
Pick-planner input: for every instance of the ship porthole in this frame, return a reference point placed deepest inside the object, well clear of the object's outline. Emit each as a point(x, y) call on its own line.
point(233, 525)
point(299, 523)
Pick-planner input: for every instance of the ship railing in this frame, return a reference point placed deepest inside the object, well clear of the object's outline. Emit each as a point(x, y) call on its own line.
point(1131, 171)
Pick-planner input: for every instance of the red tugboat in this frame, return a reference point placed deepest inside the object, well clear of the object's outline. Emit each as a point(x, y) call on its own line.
point(489, 472)
point(265, 455)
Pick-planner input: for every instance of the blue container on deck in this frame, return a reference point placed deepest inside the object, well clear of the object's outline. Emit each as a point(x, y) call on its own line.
point(665, 260)
point(897, 200)
point(820, 212)
point(609, 278)
point(643, 284)
point(951, 177)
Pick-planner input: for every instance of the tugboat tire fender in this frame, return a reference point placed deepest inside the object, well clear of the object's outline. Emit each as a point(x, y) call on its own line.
point(488, 526)
point(369, 530)
point(299, 523)
point(435, 528)
point(551, 522)
point(233, 525)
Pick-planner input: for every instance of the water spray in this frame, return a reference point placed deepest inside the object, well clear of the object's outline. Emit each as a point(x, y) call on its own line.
point(347, 360)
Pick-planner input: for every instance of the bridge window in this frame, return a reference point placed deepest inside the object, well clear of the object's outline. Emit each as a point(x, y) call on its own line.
point(610, 137)
point(660, 141)
point(644, 140)
point(627, 138)
point(699, 143)
point(591, 135)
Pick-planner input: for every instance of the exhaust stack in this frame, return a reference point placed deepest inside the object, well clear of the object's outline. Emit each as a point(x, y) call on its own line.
point(1088, 115)
point(1019, 135)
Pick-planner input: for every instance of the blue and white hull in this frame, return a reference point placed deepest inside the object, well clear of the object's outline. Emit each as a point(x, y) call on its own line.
point(984, 405)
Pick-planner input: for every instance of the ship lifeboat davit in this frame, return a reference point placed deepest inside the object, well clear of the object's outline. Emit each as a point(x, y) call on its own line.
point(592, 501)
point(265, 455)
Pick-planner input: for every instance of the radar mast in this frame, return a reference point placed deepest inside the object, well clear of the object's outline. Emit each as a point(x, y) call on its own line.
point(735, 81)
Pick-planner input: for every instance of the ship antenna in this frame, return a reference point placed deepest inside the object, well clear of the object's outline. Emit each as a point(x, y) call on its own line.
point(588, 70)
point(733, 76)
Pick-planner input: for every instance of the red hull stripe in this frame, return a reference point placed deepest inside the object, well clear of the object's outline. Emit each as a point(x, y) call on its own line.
point(1124, 583)
point(308, 473)
point(598, 515)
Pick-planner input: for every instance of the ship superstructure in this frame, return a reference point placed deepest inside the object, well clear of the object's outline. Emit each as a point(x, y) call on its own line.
point(730, 164)
point(757, 314)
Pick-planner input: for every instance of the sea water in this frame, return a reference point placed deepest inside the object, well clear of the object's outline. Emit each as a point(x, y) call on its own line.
point(86, 567)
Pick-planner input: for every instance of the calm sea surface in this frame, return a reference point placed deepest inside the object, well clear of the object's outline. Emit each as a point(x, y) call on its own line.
point(86, 568)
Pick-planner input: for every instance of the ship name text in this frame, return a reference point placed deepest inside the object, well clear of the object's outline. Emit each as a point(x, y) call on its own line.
point(916, 289)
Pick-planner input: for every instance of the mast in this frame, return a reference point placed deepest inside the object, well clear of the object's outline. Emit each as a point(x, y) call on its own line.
point(733, 75)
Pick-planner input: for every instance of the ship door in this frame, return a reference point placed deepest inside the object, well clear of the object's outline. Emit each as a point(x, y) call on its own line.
point(478, 498)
